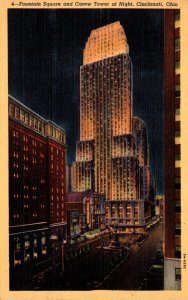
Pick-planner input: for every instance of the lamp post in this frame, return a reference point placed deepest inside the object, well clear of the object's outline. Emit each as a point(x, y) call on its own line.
point(62, 253)
point(53, 239)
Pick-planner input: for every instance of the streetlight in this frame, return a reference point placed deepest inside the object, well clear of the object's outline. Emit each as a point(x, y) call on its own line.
point(62, 249)
point(53, 239)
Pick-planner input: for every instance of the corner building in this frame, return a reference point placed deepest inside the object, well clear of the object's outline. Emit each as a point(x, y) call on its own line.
point(37, 208)
point(107, 161)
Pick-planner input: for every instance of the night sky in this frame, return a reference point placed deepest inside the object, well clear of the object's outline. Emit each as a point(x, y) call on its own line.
point(45, 55)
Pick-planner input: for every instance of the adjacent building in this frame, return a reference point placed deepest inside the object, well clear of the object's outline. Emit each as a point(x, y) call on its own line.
point(37, 178)
point(159, 208)
point(172, 128)
point(85, 211)
point(112, 153)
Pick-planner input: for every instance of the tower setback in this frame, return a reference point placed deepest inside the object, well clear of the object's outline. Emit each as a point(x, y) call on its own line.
point(110, 153)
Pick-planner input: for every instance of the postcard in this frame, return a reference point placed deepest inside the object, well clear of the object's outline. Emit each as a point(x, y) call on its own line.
point(93, 149)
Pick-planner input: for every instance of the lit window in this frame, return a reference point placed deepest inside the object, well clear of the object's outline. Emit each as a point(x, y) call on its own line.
point(177, 274)
point(35, 248)
point(178, 251)
point(177, 133)
point(11, 110)
point(43, 243)
point(36, 123)
point(177, 64)
point(177, 20)
point(31, 121)
point(51, 130)
point(177, 87)
point(178, 206)
point(178, 229)
point(22, 115)
point(27, 251)
point(17, 253)
point(26, 118)
point(40, 126)
point(17, 112)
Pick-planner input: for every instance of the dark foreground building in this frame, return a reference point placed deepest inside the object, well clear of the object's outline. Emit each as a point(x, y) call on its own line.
point(37, 182)
point(172, 262)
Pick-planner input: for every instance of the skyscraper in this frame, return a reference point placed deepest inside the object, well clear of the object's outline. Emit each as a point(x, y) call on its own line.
point(108, 153)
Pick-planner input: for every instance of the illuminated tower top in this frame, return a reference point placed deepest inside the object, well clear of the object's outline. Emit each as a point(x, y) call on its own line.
point(106, 41)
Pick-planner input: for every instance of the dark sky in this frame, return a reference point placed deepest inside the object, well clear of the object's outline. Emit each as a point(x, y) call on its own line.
point(45, 55)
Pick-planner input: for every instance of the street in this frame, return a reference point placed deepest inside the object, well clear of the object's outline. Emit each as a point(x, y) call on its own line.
point(131, 272)
point(98, 269)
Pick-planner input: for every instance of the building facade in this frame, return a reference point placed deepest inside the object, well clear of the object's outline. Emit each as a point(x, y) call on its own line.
point(113, 145)
point(172, 127)
point(85, 211)
point(37, 178)
point(159, 208)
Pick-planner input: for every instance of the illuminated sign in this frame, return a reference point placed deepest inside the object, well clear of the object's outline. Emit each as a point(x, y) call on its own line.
point(88, 211)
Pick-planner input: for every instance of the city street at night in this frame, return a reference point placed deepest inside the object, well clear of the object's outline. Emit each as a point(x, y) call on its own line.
point(86, 195)
point(100, 269)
